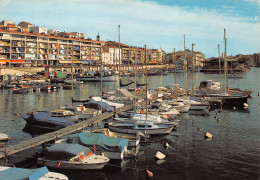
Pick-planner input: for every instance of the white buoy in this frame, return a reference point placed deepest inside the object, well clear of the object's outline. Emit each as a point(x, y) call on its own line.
point(208, 135)
point(159, 155)
point(245, 104)
point(166, 145)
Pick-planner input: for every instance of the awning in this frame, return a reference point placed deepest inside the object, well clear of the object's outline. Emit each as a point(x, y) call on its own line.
point(154, 62)
point(17, 61)
point(3, 61)
point(78, 62)
point(65, 62)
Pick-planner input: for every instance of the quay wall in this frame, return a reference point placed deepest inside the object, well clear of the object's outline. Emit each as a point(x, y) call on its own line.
point(34, 70)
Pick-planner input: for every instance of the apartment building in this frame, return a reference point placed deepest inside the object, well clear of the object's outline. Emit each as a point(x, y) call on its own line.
point(35, 49)
point(198, 57)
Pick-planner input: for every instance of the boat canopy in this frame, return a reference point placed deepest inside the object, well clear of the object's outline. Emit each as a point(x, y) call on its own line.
point(44, 117)
point(106, 142)
point(117, 105)
point(31, 174)
point(64, 151)
point(98, 105)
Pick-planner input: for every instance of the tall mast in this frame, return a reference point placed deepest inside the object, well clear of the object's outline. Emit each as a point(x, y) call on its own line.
point(192, 70)
point(146, 88)
point(175, 74)
point(101, 85)
point(72, 77)
point(225, 56)
point(135, 78)
point(119, 51)
point(219, 66)
point(185, 62)
point(114, 58)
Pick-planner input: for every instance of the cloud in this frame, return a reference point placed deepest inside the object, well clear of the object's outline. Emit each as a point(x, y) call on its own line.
point(143, 23)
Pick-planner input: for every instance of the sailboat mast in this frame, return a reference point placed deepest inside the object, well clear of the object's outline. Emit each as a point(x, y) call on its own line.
point(186, 69)
point(101, 85)
point(146, 86)
point(174, 56)
point(225, 56)
point(219, 66)
point(72, 77)
point(192, 70)
point(114, 58)
point(119, 53)
point(135, 78)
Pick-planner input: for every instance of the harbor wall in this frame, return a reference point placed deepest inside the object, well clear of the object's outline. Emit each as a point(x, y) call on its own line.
point(34, 70)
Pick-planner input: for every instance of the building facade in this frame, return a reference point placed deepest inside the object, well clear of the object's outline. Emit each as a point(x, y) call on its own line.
point(38, 49)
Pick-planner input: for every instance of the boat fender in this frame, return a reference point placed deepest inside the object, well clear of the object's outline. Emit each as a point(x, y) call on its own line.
point(149, 173)
point(59, 164)
point(81, 108)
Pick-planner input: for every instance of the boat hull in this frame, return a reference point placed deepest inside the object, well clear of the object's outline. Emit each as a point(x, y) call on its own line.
point(97, 79)
point(124, 129)
point(70, 164)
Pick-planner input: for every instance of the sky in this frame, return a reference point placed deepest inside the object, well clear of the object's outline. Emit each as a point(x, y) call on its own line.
point(154, 23)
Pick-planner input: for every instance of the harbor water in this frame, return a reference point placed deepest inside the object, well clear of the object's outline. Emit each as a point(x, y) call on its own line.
point(233, 153)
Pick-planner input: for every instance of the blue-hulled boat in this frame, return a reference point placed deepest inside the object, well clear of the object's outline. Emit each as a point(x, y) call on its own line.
point(45, 121)
point(10, 173)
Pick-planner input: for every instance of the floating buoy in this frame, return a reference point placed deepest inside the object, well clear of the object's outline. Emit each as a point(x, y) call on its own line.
point(12, 119)
point(159, 155)
point(208, 135)
point(218, 119)
point(166, 145)
point(199, 129)
point(234, 108)
point(245, 105)
point(258, 94)
point(149, 173)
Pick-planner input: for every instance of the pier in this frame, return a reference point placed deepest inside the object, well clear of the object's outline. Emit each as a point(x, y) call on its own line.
point(4, 152)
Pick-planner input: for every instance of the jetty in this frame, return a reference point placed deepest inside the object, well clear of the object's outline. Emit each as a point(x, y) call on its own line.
point(4, 152)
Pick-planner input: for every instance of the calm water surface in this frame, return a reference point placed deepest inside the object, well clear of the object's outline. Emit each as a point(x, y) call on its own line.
point(234, 152)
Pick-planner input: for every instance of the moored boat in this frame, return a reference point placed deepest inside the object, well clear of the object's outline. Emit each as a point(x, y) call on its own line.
point(4, 137)
point(72, 156)
point(44, 121)
point(11, 173)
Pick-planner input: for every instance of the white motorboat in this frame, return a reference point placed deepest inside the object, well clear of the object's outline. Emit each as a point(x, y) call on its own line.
point(72, 156)
point(146, 128)
point(183, 108)
point(196, 107)
point(4, 137)
point(12, 173)
point(75, 82)
point(82, 111)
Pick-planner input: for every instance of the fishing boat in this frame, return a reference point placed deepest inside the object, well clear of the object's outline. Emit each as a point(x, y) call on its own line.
point(72, 156)
point(44, 121)
point(4, 137)
point(110, 147)
point(12, 173)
